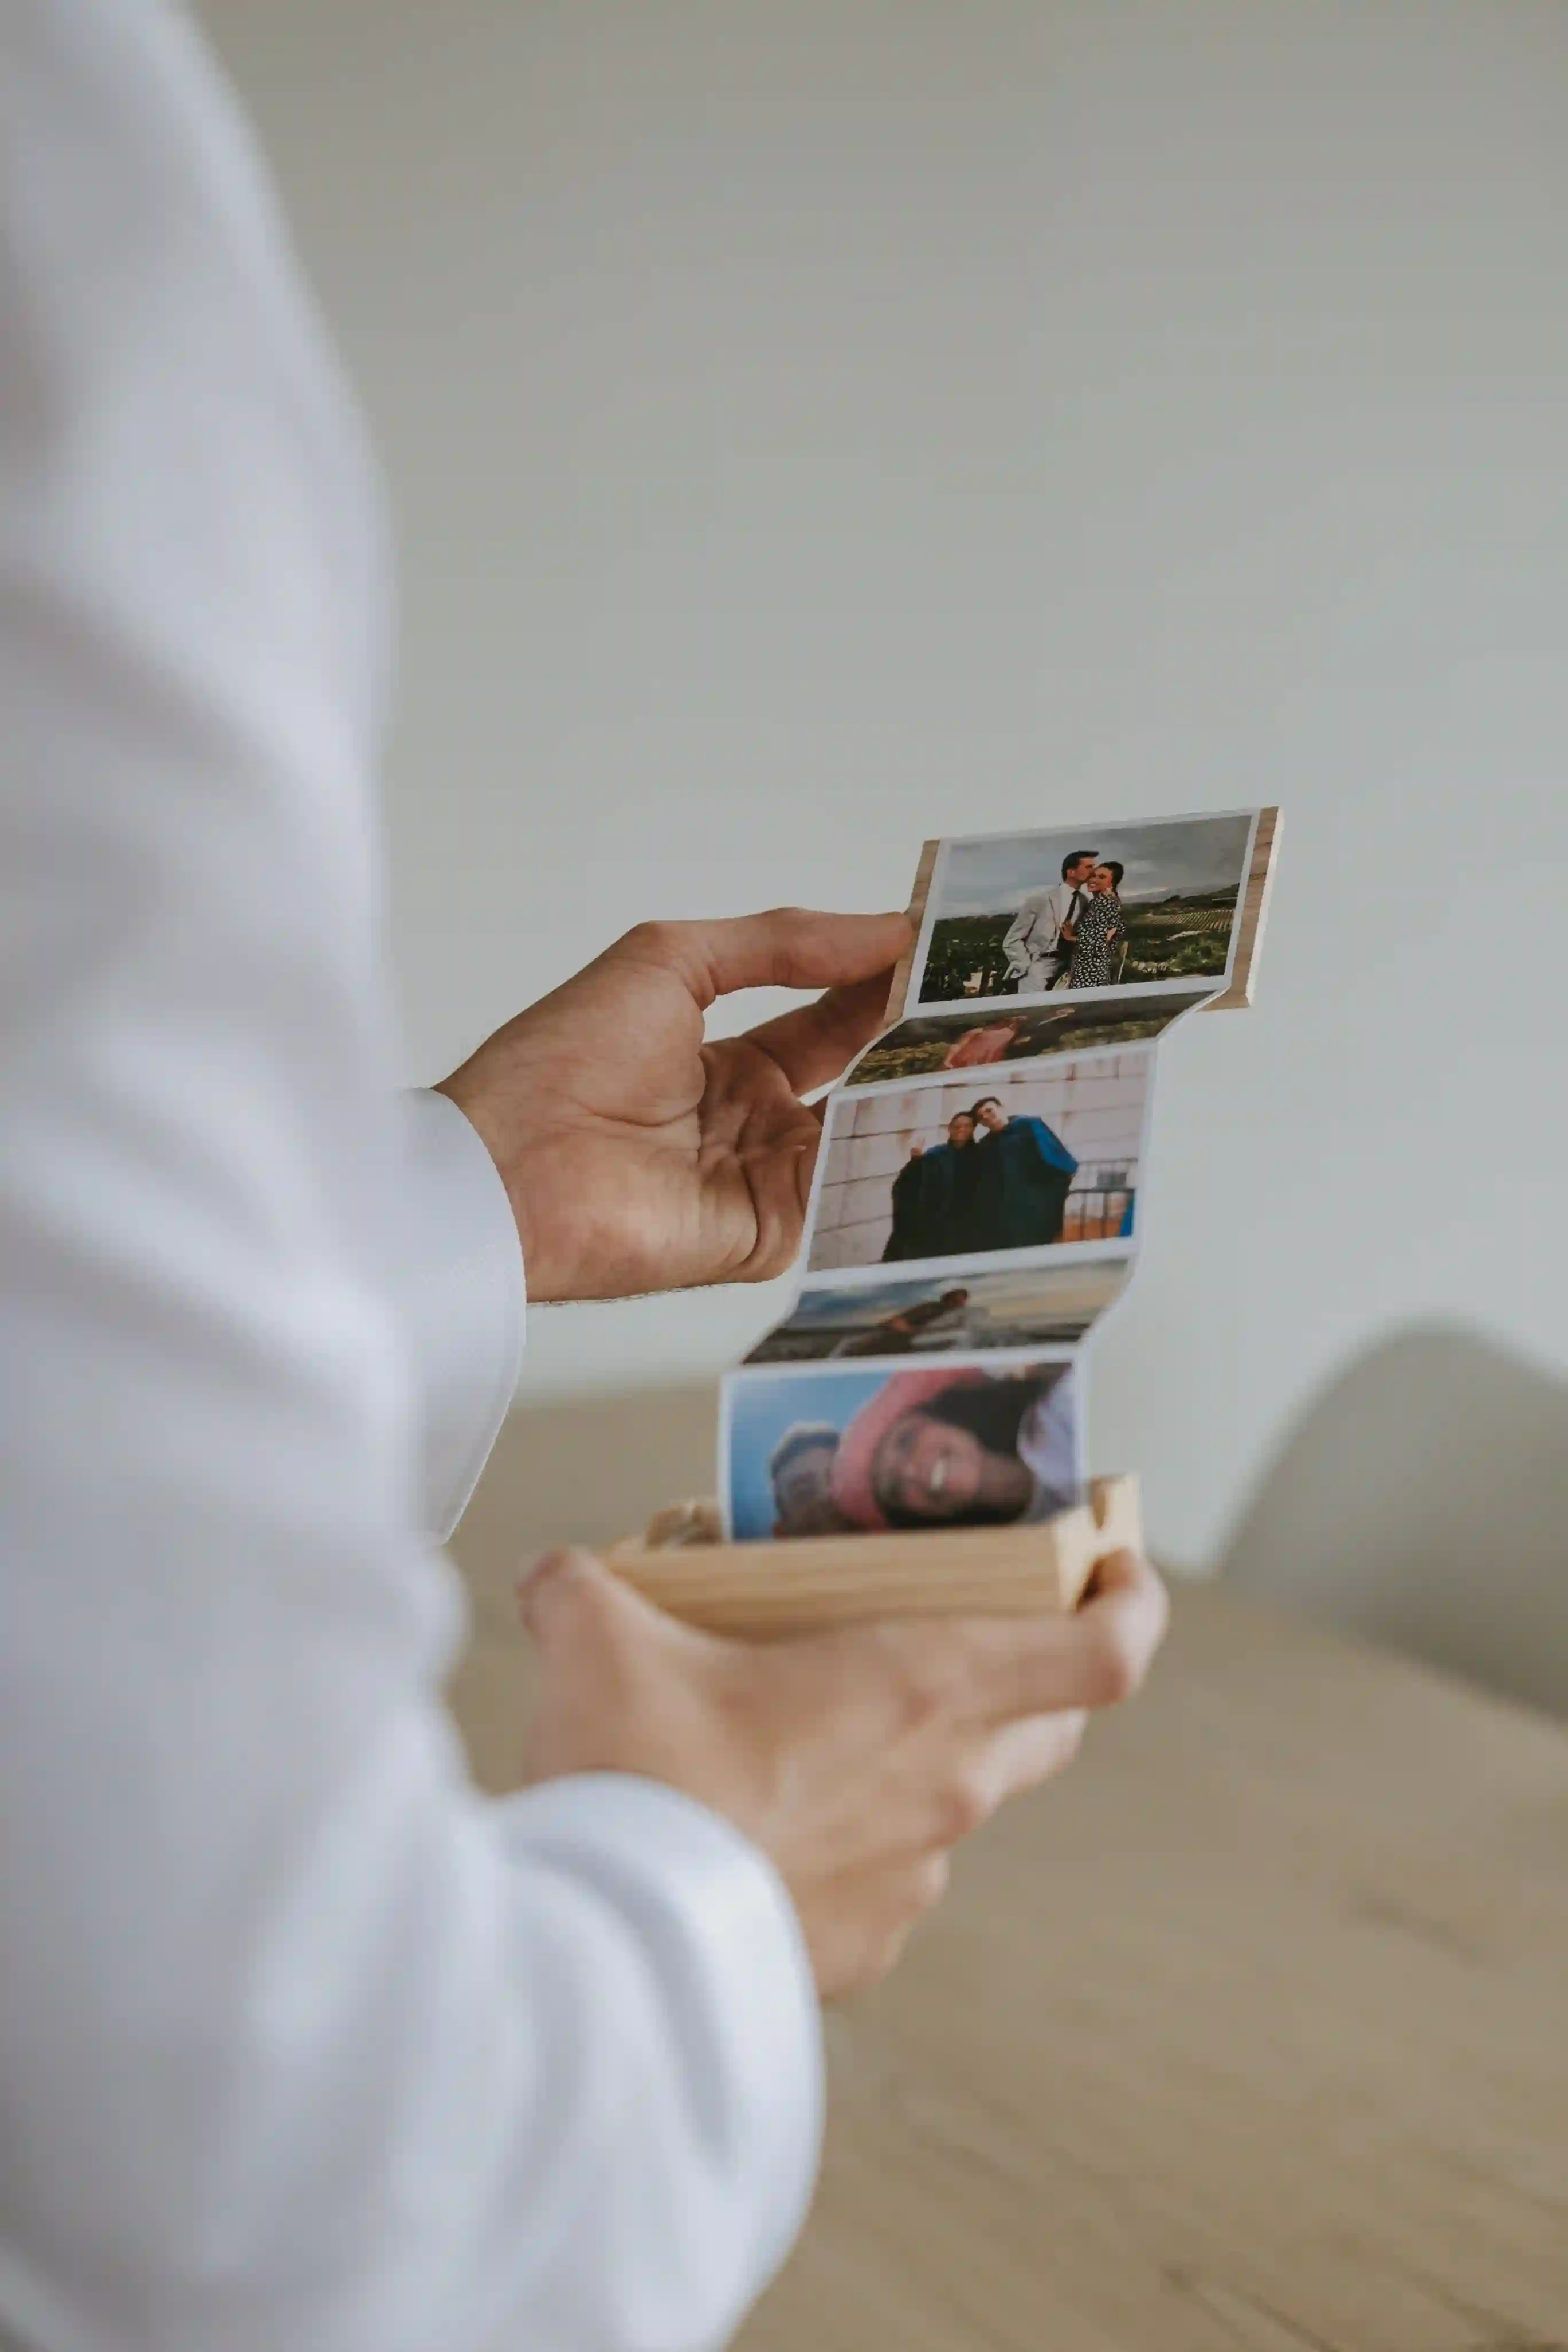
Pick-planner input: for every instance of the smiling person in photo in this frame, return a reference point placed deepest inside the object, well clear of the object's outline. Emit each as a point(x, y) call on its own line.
point(1098, 933)
point(960, 1447)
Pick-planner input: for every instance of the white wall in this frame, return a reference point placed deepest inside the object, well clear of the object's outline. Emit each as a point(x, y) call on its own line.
point(816, 424)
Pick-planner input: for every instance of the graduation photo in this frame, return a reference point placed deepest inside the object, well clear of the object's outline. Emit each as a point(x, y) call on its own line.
point(1037, 1159)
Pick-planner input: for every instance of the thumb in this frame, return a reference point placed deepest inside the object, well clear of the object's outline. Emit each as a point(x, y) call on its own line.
point(563, 1589)
point(568, 1597)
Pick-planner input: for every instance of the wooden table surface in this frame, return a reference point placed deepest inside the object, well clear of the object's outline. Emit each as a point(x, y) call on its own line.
point(1253, 2031)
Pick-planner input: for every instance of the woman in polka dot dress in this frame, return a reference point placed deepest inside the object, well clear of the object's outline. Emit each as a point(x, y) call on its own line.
point(1098, 929)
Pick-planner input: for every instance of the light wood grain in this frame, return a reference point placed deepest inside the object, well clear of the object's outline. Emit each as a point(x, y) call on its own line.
point(1254, 915)
point(903, 970)
point(767, 1590)
point(1252, 2031)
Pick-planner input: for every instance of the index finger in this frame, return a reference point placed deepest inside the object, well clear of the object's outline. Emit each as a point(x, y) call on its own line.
point(812, 1044)
point(1097, 1657)
point(789, 946)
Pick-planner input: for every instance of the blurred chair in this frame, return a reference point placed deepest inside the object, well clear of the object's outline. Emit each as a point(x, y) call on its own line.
point(1424, 1501)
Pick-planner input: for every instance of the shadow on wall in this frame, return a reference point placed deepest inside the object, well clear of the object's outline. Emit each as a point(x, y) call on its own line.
point(1424, 1501)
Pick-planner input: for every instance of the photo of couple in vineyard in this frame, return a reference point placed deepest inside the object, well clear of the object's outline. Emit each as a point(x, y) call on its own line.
point(1144, 906)
point(999, 1183)
point(1072, 935)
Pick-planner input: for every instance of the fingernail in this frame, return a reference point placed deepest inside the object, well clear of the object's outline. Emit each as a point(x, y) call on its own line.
point(536, 1590)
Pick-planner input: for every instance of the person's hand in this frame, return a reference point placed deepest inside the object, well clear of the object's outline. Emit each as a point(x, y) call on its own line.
point(636, 1155)
point(856, 1759)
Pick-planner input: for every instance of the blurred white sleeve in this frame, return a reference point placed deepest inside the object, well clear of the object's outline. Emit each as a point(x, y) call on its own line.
point(303, 2041)
point(459, 1273)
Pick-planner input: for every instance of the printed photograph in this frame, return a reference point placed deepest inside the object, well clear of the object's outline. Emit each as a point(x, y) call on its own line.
point(823, 1451)
point(1012, 1306)
point(1141, 905)
point(1037, 1157)
point(1025, 1033)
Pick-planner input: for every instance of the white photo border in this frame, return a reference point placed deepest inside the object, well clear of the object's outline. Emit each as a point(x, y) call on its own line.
point(1056, 1257)
point(1046, 1253)
point(913, 1008)
point(991, 1360)
point(1197, 999)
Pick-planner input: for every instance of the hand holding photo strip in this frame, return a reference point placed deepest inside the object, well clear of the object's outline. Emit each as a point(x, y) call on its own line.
point(976, 1203)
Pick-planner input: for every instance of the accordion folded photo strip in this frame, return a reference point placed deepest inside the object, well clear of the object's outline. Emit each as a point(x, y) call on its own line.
point(976, 1205)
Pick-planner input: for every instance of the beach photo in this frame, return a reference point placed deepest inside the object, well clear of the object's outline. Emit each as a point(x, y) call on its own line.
point(1016, 1033)
point(1014, 1307)
point(819, 1452)
point(1135, 906)
point(1025, 1159)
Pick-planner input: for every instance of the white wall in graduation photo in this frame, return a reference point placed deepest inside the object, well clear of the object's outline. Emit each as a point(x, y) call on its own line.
point(819, 425)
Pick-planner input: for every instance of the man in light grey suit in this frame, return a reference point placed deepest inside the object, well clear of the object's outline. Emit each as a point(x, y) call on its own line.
point(1037, 953)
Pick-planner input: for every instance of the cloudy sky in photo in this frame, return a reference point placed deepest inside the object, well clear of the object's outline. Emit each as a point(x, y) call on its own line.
point(1184, 854)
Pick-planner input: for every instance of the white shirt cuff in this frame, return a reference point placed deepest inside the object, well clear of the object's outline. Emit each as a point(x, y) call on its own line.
point(720, 1927)
point(459, 1281)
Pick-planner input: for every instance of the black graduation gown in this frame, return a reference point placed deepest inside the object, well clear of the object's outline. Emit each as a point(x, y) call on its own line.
point(907, 1238)
point(1023, 1176)
point(933, 1204)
